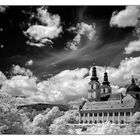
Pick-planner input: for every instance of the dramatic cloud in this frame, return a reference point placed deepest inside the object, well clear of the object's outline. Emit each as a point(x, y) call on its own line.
point(49, 28)
point(1, 46)
point(3, 9)
point(122, 75)
point(62, 88)
point(29, 63)
point(125, 18)
point(133, 46)
point(69, 85)
point(117, 89)
point(80, 30)
point(16, 69)
point(2, 78)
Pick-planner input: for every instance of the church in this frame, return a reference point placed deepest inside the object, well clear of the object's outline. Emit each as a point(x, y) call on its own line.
point(104, 106)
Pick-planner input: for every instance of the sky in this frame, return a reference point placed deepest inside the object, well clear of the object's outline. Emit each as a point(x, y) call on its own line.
point(46, 52)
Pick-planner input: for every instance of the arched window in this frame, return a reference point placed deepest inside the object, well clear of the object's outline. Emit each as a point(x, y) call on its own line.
point(106, 90)
point(94, 94)
point(94, 86)
point(102, 90)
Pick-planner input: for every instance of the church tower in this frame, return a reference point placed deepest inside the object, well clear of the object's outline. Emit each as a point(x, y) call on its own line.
point(133, 89)
point(105, 88)
point(94, 91)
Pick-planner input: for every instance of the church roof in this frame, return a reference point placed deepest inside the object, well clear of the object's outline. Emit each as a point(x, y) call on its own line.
point(127, 102)
point(115, 96)
point(133, 88)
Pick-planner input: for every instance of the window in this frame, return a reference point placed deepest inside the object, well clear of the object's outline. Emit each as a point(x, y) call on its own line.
point(116, 122)
point(94, 86)
point(110, 114)
point(100, 114)
point(85, 114)
point(86, 121)
point(121, 113)
point(81, 114)
point(81, 121)
point(102, 91)
point(90, 122)
point(90, 114)
point(116, 113)
point(122, 122)
point(110, 121)
point(106, 90)
point(95, 121)
point(127, 113)
point(105, 114)
point(95, 114)
point(100, 121)
point(94, 94)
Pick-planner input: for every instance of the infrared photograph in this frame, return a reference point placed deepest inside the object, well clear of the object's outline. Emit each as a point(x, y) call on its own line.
point(69, 70)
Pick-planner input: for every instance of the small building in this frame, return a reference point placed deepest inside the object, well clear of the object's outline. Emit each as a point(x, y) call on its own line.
point(102, 105)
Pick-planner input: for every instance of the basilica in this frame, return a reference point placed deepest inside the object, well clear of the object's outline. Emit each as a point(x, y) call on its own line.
point(104, 106)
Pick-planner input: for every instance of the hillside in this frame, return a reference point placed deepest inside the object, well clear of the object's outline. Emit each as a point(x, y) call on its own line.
point(41, 106)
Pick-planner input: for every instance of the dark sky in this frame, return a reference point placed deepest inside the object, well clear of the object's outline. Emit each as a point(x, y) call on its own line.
point(106, 50)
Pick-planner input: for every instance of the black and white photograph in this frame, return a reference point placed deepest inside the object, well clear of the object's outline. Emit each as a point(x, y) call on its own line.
point(69, 69)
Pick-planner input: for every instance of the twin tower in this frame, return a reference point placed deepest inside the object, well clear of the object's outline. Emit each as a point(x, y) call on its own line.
point(98, 91)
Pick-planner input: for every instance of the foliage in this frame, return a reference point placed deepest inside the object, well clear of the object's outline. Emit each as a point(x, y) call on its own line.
point(54, 121)
point(63, 124)
point(10, 118)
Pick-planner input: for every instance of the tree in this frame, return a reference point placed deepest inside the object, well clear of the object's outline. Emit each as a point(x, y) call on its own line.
point(60, 126)
point(44, 121)
point(10, 118)
point(64, 124)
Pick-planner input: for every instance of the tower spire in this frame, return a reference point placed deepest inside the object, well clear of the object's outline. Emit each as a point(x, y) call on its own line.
point(106, 82)
point(94, 74)
point(133, 80)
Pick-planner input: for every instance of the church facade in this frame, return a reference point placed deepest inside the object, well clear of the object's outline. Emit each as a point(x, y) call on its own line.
point(102, 105)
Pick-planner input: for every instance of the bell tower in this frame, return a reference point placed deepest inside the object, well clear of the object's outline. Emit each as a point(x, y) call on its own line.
point(105, 88)
point(94, 87)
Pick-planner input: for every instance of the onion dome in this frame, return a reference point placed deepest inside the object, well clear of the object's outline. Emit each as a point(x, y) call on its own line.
point(94, 75)
point(106, 82)
point(133, 87)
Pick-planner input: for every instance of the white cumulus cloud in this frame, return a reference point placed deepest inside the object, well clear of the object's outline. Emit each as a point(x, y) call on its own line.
point(133, 46)
point(81, 29)
point(29, 63)
point(68, 85)
point(2, 78)
point(16, 69)
point(125, 18)
point(43, 33)
point(3, 9)
point(122, 75)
